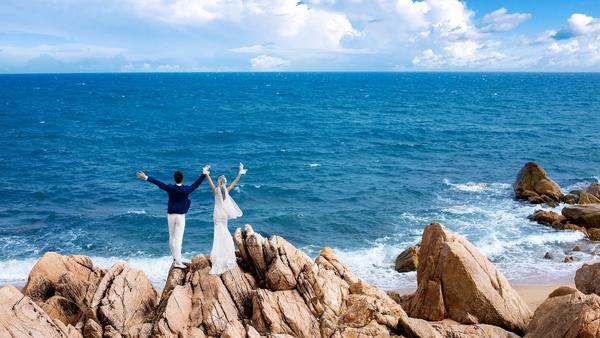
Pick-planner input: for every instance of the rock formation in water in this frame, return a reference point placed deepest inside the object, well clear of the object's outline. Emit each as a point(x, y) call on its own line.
point(534, 185)
point(583, 218)
point(407, 260)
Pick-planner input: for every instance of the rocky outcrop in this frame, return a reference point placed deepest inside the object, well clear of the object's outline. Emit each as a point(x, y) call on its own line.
point(20, 317)
point(588, 195)
point(456, 281)
point(558, 221)
point(63, 285)
point(567, 313)
point(278, 290)
point(407, 260)
point(70, 290)
point(587, 278)
point(587, 216)
point(472, 331)
point(275, 290)
point(534, 185)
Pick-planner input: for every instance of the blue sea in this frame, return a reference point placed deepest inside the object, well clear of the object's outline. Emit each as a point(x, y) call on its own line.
point(360, 162)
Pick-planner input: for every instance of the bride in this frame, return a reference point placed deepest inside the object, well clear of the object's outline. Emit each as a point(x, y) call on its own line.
point(222, 254)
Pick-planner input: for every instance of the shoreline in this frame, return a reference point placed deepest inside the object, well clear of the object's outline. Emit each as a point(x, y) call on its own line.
point(532, 294)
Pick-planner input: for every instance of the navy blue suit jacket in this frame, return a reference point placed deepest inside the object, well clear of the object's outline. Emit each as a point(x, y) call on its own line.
point(179, 203)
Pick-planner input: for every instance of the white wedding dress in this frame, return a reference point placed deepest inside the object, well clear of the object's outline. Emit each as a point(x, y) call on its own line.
point(222, 254)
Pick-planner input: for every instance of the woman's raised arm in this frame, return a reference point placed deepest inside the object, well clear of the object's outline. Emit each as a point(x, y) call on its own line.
point(210, 182)
point(241, 172)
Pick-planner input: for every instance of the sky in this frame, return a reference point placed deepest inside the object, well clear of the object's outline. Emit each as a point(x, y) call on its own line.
point(290, 35)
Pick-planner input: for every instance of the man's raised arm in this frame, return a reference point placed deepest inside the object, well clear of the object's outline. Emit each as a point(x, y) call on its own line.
point(197, 183)
point(142, 176)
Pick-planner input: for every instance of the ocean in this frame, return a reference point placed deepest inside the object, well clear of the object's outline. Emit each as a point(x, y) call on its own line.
point(360, 162)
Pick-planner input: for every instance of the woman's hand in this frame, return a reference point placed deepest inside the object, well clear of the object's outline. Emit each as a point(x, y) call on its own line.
point(242, 170)
point(205, 170)
point(141, 175)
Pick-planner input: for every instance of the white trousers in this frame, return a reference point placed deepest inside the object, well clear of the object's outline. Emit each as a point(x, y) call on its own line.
point(176, 228)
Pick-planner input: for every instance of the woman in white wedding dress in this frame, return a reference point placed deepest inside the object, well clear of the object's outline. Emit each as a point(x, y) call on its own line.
point(222, 254)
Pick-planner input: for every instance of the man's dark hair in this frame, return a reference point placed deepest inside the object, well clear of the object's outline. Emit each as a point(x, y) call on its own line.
point(178, 176)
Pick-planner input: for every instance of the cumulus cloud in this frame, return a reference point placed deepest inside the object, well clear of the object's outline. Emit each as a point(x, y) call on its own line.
point(267, 62)
point(501, 21)
point(577, 25)
point(237, 35)
point(287, 23)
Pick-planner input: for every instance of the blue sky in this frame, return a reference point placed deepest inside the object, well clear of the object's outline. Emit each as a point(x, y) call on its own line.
point(291, 35)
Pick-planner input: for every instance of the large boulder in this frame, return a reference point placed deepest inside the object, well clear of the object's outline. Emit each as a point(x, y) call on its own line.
point(407, 260)
point(456, 281)
point(587, 278)
point(20, 317)
point(534, 185)
point(63, 285)
point(567, 313)
point(75, 277)
point(587, 216)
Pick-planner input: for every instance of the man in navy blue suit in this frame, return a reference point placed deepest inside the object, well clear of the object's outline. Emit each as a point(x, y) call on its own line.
point(179, 204)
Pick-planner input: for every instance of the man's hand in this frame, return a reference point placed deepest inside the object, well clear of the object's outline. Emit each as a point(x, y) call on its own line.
point(141, 175)
point(205, 170)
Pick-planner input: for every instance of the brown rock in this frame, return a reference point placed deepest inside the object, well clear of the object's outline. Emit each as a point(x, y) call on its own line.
point(472, 331)
point(58, 307)
point(283, 312)
point(593, 234)
point(408, 260)
point(587, 216)
point(568, 316)
point(570, 259)
point(20, 317)
point(92, 329)
point(562, 291)
point(571, 198)
point(124, 298)
point(587, 278)
point(533, 184)
point(63, 285)
point(549, 218)
point(548, 255)
point(456, 281)
point(587, 198)
point(46, 274)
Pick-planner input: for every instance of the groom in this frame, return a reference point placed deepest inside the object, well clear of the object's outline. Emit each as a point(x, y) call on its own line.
point(179, 204)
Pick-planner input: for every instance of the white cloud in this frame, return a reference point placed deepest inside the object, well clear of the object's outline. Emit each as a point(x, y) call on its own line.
point(577, 25)
point(267, 62)
point(501, 21)
point(286, 23)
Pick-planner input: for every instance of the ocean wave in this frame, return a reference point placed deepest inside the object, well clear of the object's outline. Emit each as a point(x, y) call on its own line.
point(476, 186)
point(136, 212)
point(16, 271)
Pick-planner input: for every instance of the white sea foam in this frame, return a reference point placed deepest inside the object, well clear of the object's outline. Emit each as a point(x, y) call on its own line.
point(15, 271)
point(136, 212)
point(476, 186)
point(314, 165)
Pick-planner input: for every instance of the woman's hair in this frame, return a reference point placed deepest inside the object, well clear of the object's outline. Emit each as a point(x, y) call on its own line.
point(222, 182)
